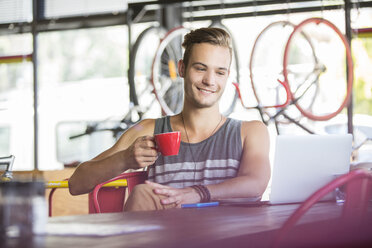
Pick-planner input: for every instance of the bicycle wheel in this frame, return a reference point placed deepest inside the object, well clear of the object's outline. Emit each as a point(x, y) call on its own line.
point(266, 68)
point(230, 95)
point(140, 67)
point(168, 85)
point(334, 55)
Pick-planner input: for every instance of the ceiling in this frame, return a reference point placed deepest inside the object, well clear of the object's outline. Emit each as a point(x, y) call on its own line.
point(146, 11)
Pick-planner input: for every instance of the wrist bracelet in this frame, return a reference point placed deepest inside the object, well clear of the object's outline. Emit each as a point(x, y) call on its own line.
point(206, 192)
point(203, 191)
point(198, 190)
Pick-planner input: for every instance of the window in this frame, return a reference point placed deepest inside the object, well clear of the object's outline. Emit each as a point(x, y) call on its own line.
point(82, 79)
point(16, 103)
point(64, 8)
point(15, 11)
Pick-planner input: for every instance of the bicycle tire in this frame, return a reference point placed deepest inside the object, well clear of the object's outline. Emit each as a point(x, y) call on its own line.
point(168, 86)
point(236, 64)
point(299, 28)
point(256, 85)
point(133, 74)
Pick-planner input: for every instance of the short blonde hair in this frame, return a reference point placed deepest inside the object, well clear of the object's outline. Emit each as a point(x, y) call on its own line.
point(211, 35)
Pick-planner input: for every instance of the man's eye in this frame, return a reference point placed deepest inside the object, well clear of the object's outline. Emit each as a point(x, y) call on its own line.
point(221, 73)
point(200, 69)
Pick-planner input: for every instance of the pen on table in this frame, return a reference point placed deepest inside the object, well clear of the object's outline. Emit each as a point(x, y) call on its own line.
point(200, 205)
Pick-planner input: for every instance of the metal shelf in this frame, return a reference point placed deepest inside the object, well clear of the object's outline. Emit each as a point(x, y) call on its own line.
point(196, 10)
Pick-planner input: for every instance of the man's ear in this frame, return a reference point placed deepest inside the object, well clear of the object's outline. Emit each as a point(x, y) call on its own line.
point(181, 68)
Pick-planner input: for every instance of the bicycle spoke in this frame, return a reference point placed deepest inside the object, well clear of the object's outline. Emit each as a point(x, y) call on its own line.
point(165, 78)
point(266, 66)
point(139, 75)
point(328, 98)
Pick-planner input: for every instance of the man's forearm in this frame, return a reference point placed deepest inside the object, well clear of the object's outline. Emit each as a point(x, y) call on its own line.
point(90, 173)
point(241, 186)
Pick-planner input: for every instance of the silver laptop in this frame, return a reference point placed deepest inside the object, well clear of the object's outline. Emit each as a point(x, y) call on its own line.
point(305, 163)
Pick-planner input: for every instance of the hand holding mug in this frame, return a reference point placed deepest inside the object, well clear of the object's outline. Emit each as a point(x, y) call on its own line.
point(142, 153)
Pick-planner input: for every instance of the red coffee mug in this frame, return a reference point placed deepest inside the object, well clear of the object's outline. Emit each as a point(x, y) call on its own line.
point(168, 143)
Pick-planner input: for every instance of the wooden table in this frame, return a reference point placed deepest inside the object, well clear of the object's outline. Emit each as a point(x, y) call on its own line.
point(222, 226)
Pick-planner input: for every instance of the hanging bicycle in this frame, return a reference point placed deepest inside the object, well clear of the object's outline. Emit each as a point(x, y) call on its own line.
point(140, 67)
point(334, 69)
point(266, 64)
point(266, 69)
point(303, 72)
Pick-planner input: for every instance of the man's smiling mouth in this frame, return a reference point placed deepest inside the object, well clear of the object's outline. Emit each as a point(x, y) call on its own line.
point(205, 90)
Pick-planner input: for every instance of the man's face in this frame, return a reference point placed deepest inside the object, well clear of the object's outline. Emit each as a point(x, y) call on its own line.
point(206, 74)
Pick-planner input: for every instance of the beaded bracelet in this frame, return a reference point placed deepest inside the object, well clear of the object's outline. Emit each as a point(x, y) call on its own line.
point(206, 192)
point(205, 195)
point(198, 190)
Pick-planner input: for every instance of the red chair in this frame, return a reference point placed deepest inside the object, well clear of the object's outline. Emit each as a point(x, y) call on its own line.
point(61, 184)
point(358, 189)
point(109, 200)
point(104, 199)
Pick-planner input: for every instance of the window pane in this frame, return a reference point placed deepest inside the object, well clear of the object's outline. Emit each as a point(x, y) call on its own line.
point(60, 8)
point(4, 140)
point(15, 11)
point(82, 75)
point(81, 148)
point(16, 102)
point(76, 55)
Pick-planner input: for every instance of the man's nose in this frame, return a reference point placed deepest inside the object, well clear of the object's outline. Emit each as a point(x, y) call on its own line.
point(209, 78)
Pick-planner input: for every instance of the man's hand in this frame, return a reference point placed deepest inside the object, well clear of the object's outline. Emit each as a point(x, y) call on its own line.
point(143, 152)
point(174, 195)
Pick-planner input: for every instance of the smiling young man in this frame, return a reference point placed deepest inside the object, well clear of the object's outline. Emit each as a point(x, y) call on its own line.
point(219, 157)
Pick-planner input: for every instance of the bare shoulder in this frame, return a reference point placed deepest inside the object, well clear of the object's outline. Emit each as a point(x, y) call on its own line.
point(254, 133)
point(253, 128)
point(142, 128)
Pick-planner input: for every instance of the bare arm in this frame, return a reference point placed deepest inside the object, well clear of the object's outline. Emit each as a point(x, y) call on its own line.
point(254, 171)
point(135, 149)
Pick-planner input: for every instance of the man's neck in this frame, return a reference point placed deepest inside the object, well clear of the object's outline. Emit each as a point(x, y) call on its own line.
point(201, 123)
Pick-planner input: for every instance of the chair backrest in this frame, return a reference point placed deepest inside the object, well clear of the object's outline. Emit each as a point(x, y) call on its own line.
point(50, 199)
point(358, 189)
point(110, 199)
point(106, 199)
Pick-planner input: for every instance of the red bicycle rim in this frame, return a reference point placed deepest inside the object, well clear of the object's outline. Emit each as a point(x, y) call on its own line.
point(350, 77)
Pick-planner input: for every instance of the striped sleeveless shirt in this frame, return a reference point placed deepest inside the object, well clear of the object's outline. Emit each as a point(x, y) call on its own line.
point(217, 158)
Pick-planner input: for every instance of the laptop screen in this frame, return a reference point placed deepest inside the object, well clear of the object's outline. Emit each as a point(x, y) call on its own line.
point(305, 163)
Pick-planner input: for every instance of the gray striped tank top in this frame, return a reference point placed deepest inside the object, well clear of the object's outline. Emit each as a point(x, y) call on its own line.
point(211, 161)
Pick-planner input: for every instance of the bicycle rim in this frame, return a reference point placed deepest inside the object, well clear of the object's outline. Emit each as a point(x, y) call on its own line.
point(230, 95)
point(326, 105)
point(168, 85)
point(266, 67)
point(139, 75)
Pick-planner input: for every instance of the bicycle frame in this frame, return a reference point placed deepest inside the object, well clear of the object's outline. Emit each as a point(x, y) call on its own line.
point(256, 46)
point(320, 69)
point(289, 101)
